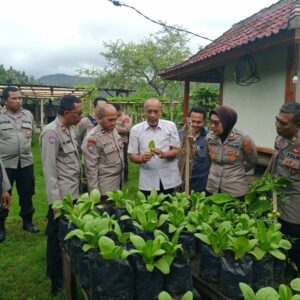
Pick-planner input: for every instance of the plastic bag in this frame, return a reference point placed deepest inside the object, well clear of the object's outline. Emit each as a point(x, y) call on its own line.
point(232, 272)
point(209, 264)
point(180, 279)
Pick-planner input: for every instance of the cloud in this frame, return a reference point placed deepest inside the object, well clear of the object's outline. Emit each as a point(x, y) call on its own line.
point(46, 37)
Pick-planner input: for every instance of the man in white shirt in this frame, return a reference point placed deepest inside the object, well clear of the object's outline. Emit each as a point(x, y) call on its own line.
point(158, 167)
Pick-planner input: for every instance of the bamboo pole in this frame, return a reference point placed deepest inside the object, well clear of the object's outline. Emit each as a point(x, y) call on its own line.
point(274, 201)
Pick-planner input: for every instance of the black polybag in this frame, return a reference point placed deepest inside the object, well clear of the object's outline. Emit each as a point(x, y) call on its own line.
point(209, 264)
point(263, 272)
point(180, 279)
point(232, 272)
point(147, 285)
point(110, 279)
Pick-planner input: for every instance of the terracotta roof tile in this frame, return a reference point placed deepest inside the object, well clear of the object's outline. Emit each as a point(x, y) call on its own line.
point(267, 22)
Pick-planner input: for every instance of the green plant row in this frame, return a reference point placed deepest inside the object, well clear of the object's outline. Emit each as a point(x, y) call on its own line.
point(284, 292)
point(218, 220)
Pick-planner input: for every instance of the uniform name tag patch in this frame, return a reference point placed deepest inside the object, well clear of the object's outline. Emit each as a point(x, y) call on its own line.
point(292, 155)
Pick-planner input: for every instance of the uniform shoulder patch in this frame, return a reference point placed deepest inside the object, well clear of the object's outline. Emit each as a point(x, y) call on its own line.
point(91, 145)
point(52, 140)
point(248, 147)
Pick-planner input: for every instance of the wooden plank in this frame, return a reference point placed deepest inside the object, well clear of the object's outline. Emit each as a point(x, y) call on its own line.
point(291, 71)
point(208, 291)
point(221, 93)
point(265, 150)
point(70, 278)
point(186, 100)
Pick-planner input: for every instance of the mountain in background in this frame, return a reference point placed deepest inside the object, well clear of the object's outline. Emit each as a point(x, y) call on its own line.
point(64, 80)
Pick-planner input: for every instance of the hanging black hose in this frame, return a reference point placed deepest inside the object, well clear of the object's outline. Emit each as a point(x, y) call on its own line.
point(245, 71)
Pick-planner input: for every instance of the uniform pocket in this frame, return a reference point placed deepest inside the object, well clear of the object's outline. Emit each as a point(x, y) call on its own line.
point(111, 152)
point(6, 129)
point(27, 129)
point(68, 150)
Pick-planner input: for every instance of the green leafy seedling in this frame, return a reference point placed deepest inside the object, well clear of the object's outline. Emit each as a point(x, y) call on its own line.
point(151, 146)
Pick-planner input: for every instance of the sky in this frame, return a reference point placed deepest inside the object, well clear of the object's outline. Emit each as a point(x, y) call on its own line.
point(63, 36)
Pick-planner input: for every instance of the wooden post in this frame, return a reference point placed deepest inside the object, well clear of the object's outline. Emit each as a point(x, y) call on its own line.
point(291, 71)
point(187, 158)
point(186, 100)
point(274, 200)
point(171, 110)
point(42, 112)
point(36, 110)
point(69, 276)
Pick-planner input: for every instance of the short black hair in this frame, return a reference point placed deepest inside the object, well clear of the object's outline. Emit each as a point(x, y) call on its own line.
point(291, 108)
point(95, 102)
point(67, 103)
point(117, 106)
point(199, 110)
point(5, 92)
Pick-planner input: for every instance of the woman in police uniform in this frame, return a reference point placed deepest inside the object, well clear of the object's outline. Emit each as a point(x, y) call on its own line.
point(231, 152)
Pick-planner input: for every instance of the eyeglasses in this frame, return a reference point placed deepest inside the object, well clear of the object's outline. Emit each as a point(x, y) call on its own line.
point(79, 113)
point(214, 122)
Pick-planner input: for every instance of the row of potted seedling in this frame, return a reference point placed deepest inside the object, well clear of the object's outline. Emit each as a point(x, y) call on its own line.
point(159, 230)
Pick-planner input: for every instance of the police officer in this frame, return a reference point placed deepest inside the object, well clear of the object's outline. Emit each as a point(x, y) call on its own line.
point(286, 163)
point(123, 126)
point(89, 122)
point(16, 129)
point(61, 169)
point(231, 152)
point(103, 154)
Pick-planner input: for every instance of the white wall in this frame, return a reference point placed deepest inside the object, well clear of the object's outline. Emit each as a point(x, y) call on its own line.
point(258, 104)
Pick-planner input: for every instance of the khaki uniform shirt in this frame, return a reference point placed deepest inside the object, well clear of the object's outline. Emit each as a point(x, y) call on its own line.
point(15, 138)
point(5, 181)
point(287, 163)
point(60, 159)
point(103, 159)
point(230, 161)
point(83, 128)
point(123, 127)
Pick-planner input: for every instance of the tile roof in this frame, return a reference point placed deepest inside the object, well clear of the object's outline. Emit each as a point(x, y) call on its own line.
point(267, 22)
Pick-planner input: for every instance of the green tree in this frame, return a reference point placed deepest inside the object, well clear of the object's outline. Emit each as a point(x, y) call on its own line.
point(11, 76)
point(205, 97)
point(136, 65)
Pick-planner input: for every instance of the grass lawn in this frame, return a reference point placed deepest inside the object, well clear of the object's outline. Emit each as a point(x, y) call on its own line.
point(22, 254)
